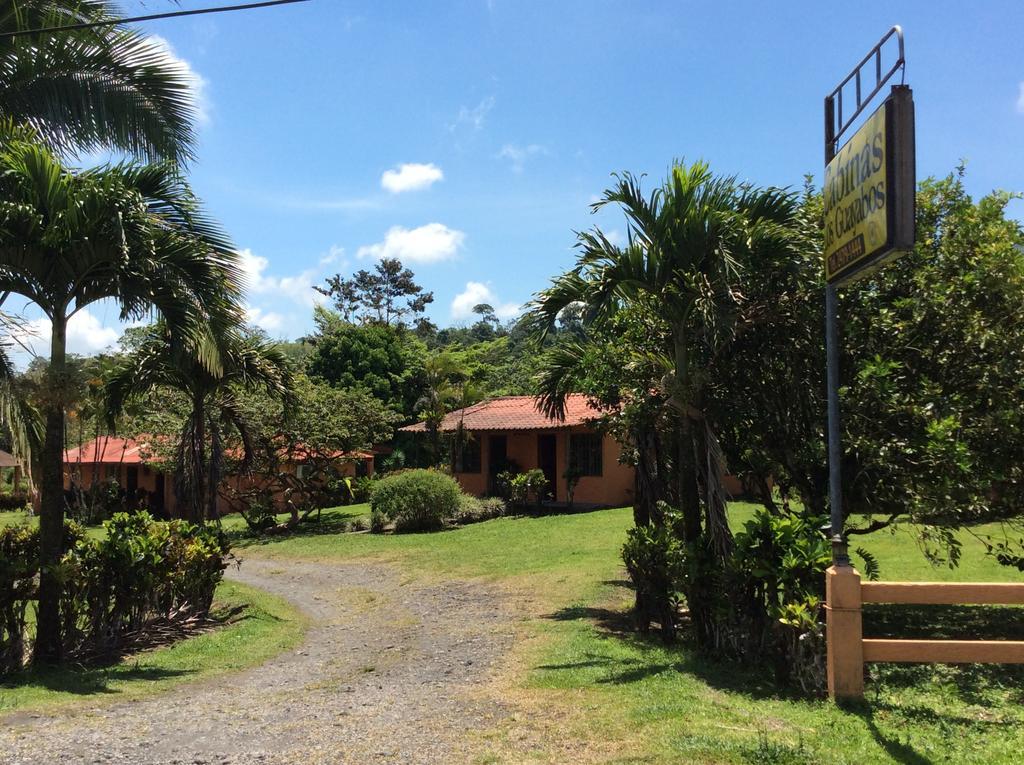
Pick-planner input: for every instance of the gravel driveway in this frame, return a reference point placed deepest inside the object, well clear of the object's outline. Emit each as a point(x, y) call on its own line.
point(391, 671)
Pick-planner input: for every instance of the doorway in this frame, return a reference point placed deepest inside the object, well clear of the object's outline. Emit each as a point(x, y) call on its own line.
point(497, 462)
point(547, 461)
point(159, 509)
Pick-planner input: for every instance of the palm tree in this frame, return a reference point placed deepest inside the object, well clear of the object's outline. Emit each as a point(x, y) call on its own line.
point(684, 242)
point(247, 362)
point(102, 88)
point(129, 233)
point(438, 396)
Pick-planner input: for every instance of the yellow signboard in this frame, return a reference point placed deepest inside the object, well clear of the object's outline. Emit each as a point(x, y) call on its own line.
point(869, 192)
point(856, 219)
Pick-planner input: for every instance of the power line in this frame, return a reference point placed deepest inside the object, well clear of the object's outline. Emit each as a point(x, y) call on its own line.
point(150, 17)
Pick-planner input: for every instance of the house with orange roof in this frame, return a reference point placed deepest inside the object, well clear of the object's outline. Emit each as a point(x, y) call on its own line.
point(512, 433)
point(136, 469)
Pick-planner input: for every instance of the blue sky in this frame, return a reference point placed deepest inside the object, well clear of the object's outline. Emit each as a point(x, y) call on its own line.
point(512, 115)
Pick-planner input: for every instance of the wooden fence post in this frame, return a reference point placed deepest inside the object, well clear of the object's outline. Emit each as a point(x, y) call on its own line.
point(844, 633)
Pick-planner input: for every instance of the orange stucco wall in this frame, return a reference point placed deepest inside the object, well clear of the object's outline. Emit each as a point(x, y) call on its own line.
point(85, 474)
point(613, 487)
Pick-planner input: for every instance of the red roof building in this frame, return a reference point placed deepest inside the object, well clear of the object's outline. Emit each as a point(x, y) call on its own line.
point(109, 450)
point(514, 413)
point(136, 469)
point(512, 433)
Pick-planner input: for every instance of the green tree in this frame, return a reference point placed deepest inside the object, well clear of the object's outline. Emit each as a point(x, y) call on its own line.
point(932, 371)
point(384, 360)
point(247, 363)
point(129, 233)
point(684, 243)
point(321, 428)
point(107, 87)
point(440, 392)
point(387, 295)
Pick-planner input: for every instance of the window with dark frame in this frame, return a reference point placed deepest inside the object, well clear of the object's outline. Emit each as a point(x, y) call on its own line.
point(585, 454)
point(467, 459)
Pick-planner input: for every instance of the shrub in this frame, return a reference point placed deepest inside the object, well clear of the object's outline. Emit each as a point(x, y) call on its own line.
point(358, 524)
point(416, 500)
point(261, 514)
point(19, 563)
point(518, 488)
point(362, 487)
point(473, 509)
point(377, 522)
point(655, 560)
point(17, 500)
point(765, 597)
point(141, 570)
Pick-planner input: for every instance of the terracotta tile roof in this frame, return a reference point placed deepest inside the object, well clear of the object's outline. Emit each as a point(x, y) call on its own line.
point(7, 460)
point(513, 413)
point(109, 450)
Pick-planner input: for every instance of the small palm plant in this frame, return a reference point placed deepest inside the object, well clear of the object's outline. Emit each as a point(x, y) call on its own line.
point(246, 363)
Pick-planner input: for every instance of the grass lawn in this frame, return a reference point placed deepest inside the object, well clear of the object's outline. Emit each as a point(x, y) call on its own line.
point(637, 701)
point(264, 627)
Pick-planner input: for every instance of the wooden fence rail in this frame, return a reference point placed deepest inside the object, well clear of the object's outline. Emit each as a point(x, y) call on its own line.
point(848, 650)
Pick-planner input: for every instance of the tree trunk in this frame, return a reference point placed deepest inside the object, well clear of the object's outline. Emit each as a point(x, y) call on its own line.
point(216, 457)
point(686, 461)
point(48, 649)
point(199, 459)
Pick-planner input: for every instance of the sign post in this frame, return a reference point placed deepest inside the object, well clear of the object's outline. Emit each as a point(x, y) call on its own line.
point(869, 194)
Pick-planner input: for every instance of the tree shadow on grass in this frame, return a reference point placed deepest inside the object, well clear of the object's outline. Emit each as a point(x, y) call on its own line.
point(975, 684)
point(983, 686)
point(655, 657)
point(88, 681)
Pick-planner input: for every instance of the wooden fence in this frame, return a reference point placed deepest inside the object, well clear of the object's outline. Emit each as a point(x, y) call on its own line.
point(848, 650)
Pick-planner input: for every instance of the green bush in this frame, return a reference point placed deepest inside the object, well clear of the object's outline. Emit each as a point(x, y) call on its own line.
point(473, 509)
point(362, 487)
point(655, 560)
point(416, 500)
point(19, 563)
point(765, 597)
point(519, 488)
point(377, 522)
point(140, 570)
point(17, 500)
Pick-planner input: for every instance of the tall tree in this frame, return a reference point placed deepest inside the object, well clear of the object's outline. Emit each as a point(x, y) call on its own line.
point(932, 370)
point(387, 295)
point(130, 233)
point(385, 361)
point(439, 393)
point(107, 87)
point(684, 242)
point(247, 363)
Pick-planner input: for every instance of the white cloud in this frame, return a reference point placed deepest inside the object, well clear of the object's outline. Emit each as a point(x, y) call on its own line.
point(197, 83)
point(517, 155)
point(298, 287)
point(86, 335)
point(334, 255)
point(431, 243)
point(411, 176)
point(269, 321)
point(474, 118)
point(1020, 99)
point(477, 293)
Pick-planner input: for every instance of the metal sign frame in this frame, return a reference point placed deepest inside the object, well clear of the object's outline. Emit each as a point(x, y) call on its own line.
point(899, 172)
point(835, 126)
